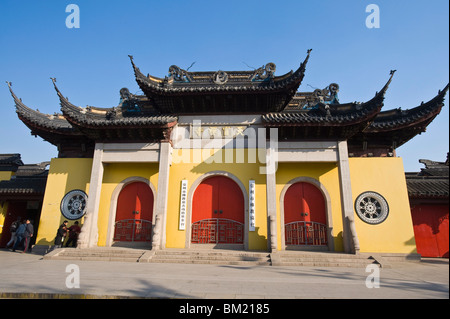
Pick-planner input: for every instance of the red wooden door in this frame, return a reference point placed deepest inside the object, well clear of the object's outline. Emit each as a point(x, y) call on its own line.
point(218, 212)
point(431, 230)
point(134, 213)
point(304, 215)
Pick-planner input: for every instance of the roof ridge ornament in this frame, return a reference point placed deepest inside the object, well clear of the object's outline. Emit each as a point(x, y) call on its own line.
point(220, 77)
point(57, 90)
point(178, 74)
point(266, 72)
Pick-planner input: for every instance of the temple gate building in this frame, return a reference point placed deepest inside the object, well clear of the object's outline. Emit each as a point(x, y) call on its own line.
point(231, 159)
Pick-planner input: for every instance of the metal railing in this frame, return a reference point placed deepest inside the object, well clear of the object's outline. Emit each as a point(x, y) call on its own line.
point(305, 233)
point(217, 231)
point(133, 230)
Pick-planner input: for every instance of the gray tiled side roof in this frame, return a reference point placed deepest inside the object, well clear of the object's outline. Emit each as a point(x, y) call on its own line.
point(427, 187)
point(431, 182)
point(23, 185)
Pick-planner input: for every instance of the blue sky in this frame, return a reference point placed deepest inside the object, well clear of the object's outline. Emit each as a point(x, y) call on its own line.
point(91, 63)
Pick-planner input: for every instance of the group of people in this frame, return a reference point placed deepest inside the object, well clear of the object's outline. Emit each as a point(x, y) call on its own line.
point(72, 233)
point(23, 231)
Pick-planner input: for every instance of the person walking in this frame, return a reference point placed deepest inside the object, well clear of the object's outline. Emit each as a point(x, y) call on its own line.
point(19, 235)
point(13, 229)
point(27, 234)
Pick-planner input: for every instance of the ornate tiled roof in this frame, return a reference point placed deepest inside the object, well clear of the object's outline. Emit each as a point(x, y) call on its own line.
point(330, 114)
point(256, 91)
point(54, 129)
point(115, 123)
point(56, 123)
point(298, 115)
point(108, 117)
point(332, 120)
point(394, 128)
point(398, 118)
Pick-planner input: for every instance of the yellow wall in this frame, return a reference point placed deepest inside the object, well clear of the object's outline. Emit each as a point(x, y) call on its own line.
point(65, 174)
point(385, 176)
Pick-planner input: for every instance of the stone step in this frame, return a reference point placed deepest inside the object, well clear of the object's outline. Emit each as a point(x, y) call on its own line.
point(206, 257)
point(96, 254)
point(321, 254)
point(228, 257)
point(187, 254)
point(224, 257)
point(210, 252)
point(325, 264)
point(104, 254)
point(210, 261)
point(98, 258)
point(321, 259)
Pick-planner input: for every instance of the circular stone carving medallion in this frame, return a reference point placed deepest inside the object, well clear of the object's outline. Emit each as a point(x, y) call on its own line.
point(372, 208)
point(220, 77)
point(73, 205)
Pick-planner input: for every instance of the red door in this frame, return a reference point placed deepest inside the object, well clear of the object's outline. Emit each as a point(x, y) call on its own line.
point(134, 213)
point(431, 230)
point(304, 215)
point(218, 212)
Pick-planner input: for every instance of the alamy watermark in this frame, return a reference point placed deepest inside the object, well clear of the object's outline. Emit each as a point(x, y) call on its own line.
point(73, 19)
point(373, 279)
point(229, 143)
point(373, 19)
point(73, 279)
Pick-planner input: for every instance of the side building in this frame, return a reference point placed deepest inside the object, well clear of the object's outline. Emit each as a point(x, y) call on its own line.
point(428, 196)
point(22, 189)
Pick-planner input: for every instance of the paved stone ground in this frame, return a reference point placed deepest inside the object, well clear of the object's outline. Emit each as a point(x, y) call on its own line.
point(28, 276)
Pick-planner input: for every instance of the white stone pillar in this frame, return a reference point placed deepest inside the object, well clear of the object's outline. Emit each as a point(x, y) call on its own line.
point(89, 232)
point(350, 238)
point(165, 160)
point(271, 197)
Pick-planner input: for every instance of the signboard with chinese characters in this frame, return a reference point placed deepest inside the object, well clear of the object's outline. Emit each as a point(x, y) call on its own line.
point(251, 205)
point(183, 205)
point(199, 131)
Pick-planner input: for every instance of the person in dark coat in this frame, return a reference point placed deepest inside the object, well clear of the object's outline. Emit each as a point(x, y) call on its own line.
point(61, 234)
point(74, 231)
point(28, 233)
